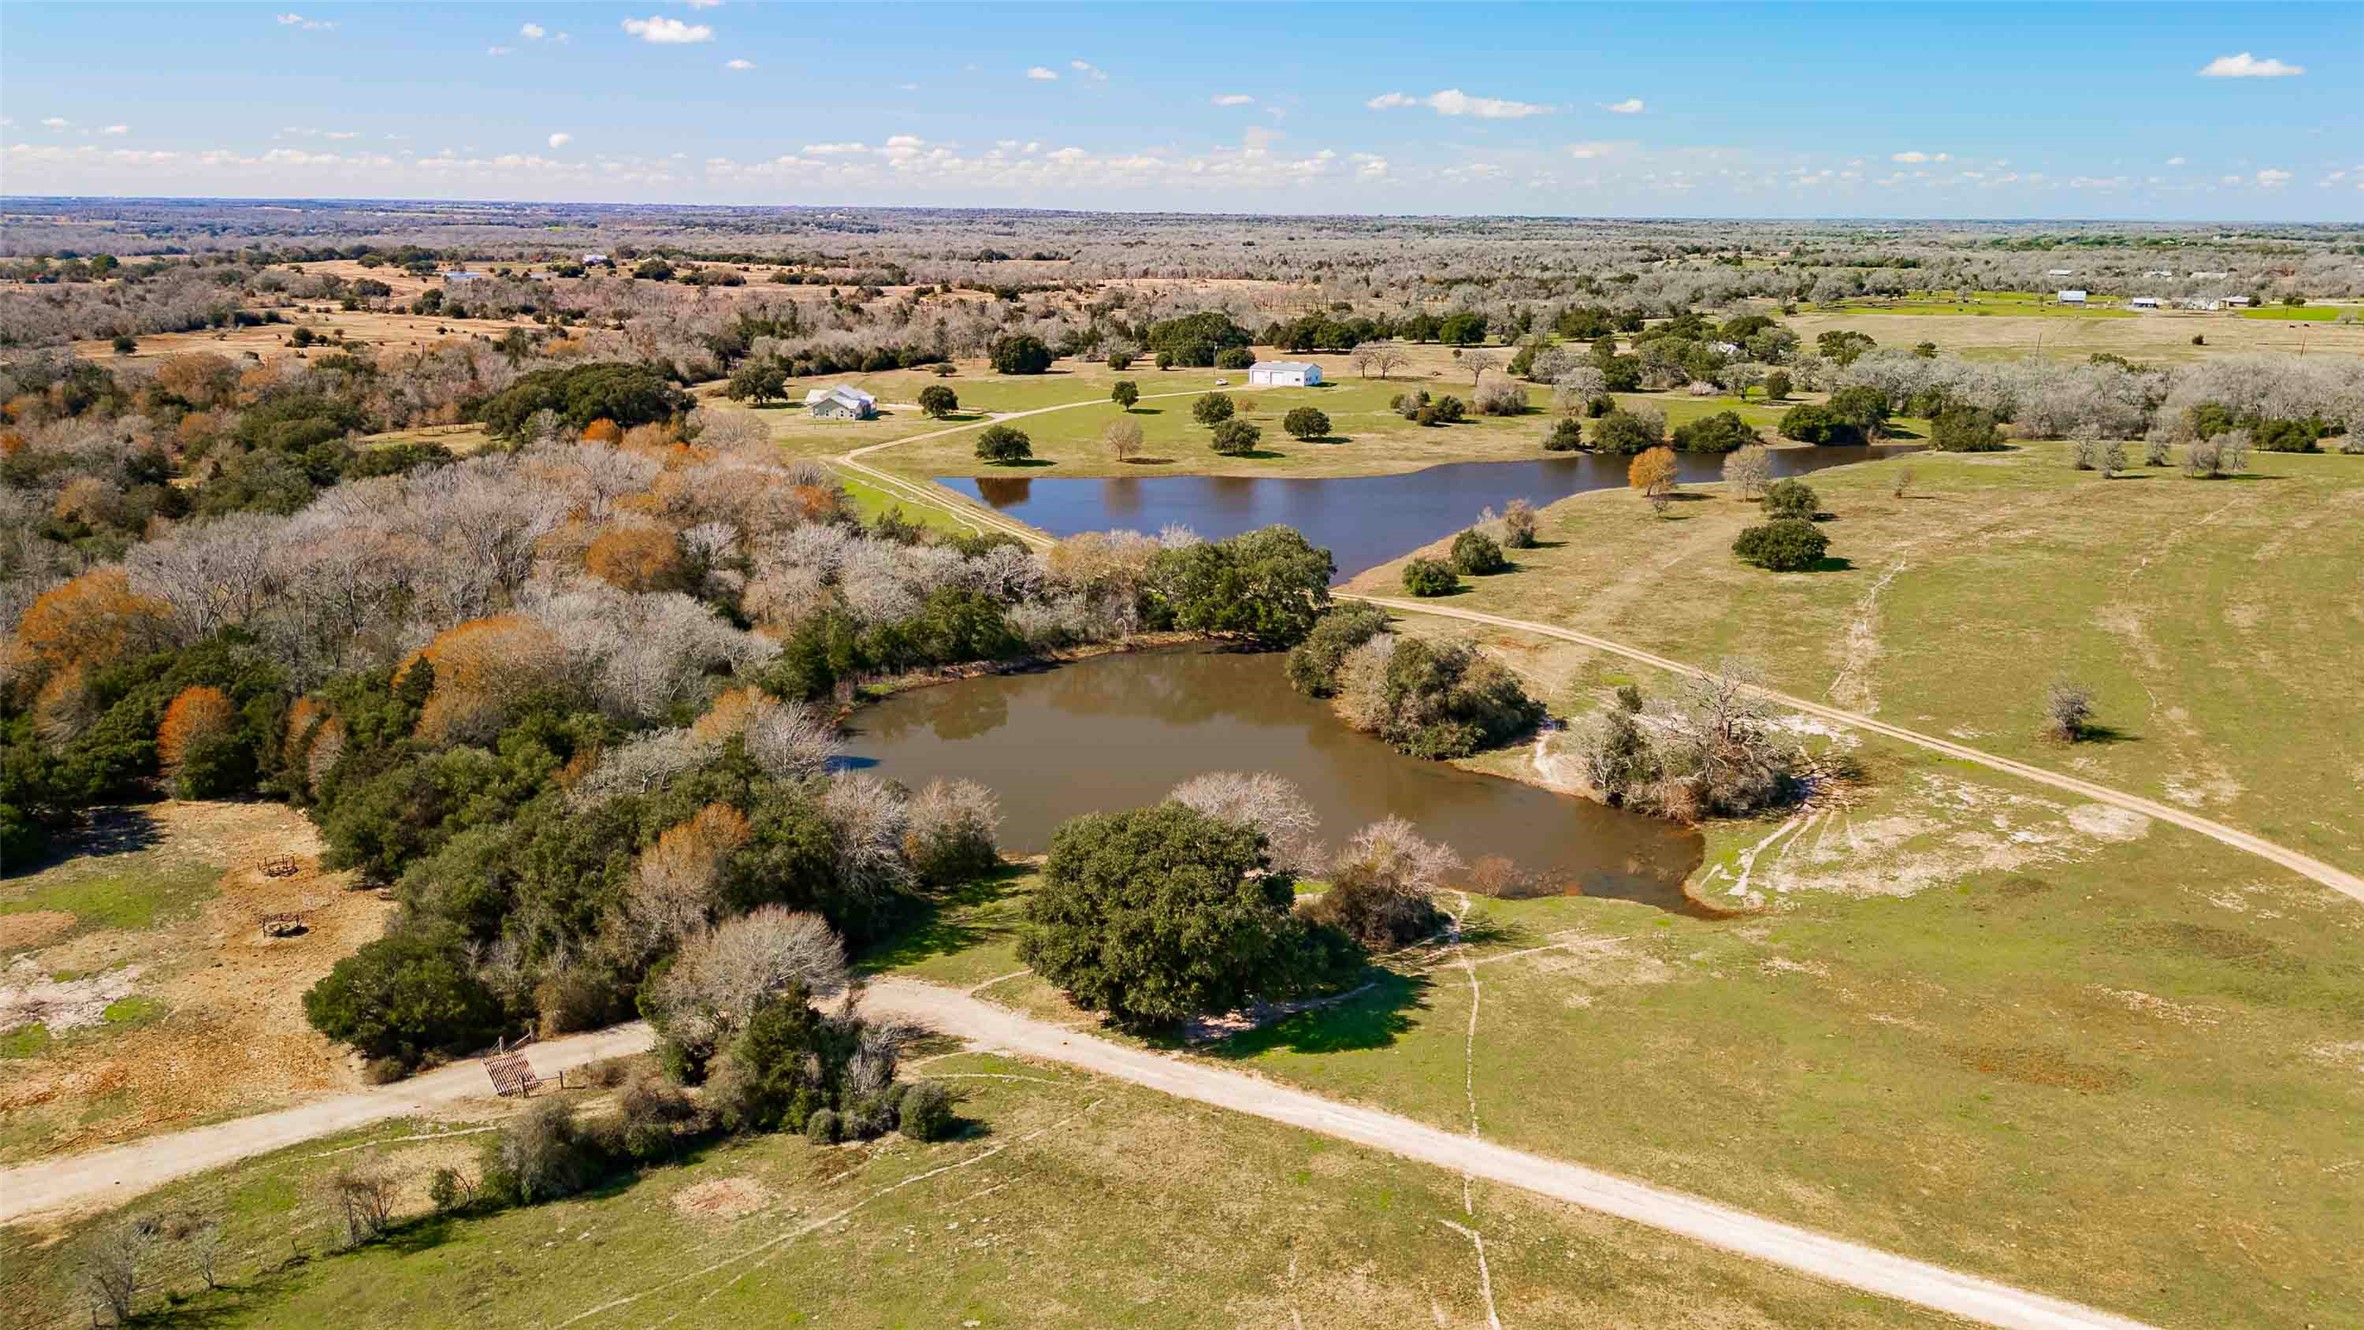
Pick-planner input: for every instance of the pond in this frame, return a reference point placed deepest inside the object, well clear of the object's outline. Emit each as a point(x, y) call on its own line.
point(1120, 731)
point(1363, 520)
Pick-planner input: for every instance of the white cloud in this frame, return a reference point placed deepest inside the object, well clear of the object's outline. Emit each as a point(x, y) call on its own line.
point(496, 50)
point(55, 122)
point(1596, 149)
point(1089, 70)
point(1042, 75)
point(533, 32)
point(1233, 99)
point(2247, 66)
point(2175, 161)
point(2271, 178)
point(561, 140)
point(307, 24)
point(1453, 101)
point(1630, 106)
point(668, 31)
point(1369, 166)
point(737, 66)
point(703, 4)
point(116, 130)
point(1914, 158)
point(834, 149)
point(341, 134)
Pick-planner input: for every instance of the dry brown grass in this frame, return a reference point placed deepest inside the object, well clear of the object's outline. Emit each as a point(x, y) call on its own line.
point(2163, 337)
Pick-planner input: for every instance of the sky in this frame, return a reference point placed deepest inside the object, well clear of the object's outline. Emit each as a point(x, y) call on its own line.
point(1907, 110)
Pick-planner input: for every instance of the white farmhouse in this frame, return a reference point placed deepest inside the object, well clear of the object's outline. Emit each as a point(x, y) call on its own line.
point(2071, 297)
point(843, 402)
point(1285, 373)
point(2143, 302)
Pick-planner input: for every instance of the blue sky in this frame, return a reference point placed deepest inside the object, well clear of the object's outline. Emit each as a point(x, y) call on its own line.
point(1633, 109)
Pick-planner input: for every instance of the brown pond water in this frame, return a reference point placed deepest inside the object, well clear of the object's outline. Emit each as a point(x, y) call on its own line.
point(1120, 731)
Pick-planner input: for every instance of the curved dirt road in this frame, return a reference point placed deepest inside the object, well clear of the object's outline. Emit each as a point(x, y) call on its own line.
point(2338, 879)
point(1833, 1259)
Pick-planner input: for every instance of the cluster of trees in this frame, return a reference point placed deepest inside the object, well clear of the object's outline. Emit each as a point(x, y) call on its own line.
point(1434, 700)
point(1710, 751)
point(1188, 908)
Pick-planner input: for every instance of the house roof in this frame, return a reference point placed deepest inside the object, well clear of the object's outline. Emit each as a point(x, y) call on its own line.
point(844, 392)
point(1285, 366)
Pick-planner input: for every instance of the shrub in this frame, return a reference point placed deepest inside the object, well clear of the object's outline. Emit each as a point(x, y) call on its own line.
point(1430, 577)
point(1448, 410)
point(1809, 423)
point(1965, 429)
point(1722, 432)
point(1502, 397)
point(1004, 444)
point(2068, 711)
point(1433, 701)
point(821, 1127)
point(2287, 436)
point(1792, 498)
point(1234, 357)
point(1235, 437)
point(1120, 361)
point(1268, 585)
point(1518, 525)
point(1158, 914)
point(1306, 422)
point(543, 1154)
point(403, 996)
point(1623, 431)
point(1212, 408)
point(1018, 354)
point(1784, 546)
point(1476, 555)
point(1313, 663)
point(1862, 406)
point(1566, 435)
point(1777, 385)
point(924, 1112)
point(938, 401)
point(1381, 885)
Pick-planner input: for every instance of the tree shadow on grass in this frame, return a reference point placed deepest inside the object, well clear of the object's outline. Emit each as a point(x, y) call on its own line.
point(117, 829)
point(1148, 461)
point(1373, 1018)
point(1023, 462)
point(1832, 564)
point(947, 924)
point(2096, 733)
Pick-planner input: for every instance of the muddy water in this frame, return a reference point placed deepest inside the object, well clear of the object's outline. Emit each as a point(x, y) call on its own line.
point(1120, 731)
point(1363, 520)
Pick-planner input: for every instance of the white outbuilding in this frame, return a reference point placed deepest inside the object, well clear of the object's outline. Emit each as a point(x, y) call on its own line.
point(1285, 373)
point(2143, 302)
point(2071, 297)
point(843, 402)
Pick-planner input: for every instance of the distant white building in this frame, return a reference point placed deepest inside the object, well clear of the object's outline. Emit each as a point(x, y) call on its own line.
point(2211, 276)
point(2237, 302)
point(2071, 297)
point(457, 275)
point(2160, 272)
point(1285, 373)
point(843, 402)
point(2143, 302)
point(590, 260)
point(2061, 272)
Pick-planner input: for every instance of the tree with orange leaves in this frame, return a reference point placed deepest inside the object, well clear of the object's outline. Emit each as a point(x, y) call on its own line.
point(1653, 474)
point(482, 668)
point(197, 745)
point(635, 558)
point(673, 889)
point(602, 430)
point(91, 620)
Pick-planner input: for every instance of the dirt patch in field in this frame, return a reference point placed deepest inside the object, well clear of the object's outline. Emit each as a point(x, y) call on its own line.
point(723, 1198)
point(33, 928)
point(233, 1038)
point(2041, 1066)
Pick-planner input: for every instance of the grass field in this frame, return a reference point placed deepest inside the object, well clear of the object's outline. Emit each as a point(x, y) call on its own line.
point(1991, 329)
point(1070, 1203)
point(2217, 622)
point(2106, 1060)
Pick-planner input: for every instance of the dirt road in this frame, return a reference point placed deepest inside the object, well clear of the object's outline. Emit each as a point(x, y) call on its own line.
point(2338, 879)
point(113, 1176)
point(1816, 1254)
point(109, 1177)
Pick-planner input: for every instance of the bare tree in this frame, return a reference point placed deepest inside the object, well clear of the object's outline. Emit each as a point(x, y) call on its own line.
point(1387, 358)
point(720, 977)
point(1381, 885)
point(789, 740)
point(952, 831)
point(1264, 803)
point(2068, 711)
point(1364, 356)
point(869, 817)
point(111, 1268)
point(1575, 387)
point(204, 1240)
point(365, 1201)
point(1123, 438)
point(1478, 362)
point(1749, 471)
